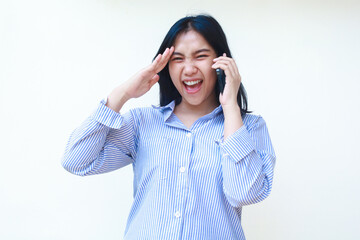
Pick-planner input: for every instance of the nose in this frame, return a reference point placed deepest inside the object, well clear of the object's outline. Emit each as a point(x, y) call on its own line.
point(189, 68)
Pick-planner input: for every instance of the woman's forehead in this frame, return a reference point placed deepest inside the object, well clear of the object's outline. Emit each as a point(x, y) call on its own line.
point(191, 41)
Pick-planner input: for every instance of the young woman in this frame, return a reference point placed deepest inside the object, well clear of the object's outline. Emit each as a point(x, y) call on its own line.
point(199, 157)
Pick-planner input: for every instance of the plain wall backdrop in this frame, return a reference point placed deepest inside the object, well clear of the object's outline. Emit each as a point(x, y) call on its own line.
point(299, 62)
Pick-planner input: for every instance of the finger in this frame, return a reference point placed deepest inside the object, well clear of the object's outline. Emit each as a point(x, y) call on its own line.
point(163, 56)
point(221, 57)
point(165, 59)
point(169, 51)
point(172, 50)
point(225, 65)
point(159, 58)
point(229, 72)
point(156, 60)
point(235, 67)
point(230, 63)
point(157, 65)
point(168, 54)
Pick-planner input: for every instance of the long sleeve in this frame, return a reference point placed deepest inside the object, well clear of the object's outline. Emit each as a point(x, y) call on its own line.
point(103, 143)
point(248, 161)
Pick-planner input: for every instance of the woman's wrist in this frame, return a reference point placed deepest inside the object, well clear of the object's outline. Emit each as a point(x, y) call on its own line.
point(117, 98)
point(230, 107)
point(232, 119)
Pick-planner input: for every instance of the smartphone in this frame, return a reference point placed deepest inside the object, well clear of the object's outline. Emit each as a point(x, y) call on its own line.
point(220, 79)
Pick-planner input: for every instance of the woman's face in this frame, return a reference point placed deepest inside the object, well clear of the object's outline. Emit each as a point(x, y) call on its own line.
point(190, 70)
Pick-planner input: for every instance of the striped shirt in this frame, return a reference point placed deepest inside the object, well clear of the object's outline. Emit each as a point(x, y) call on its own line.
point(188, 183)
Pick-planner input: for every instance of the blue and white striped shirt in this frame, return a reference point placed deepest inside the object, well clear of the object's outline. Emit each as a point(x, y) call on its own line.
point(188, 183)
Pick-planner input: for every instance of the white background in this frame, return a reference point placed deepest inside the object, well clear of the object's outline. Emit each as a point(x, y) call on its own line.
point(299, 62)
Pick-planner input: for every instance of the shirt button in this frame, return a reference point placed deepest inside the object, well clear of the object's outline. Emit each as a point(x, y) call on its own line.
point(182, 169)
point(188, 135)
point(177, 214)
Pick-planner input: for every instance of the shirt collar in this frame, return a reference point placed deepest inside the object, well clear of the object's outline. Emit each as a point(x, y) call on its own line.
point(214, 113)
point(169, 109)
point(166, 110)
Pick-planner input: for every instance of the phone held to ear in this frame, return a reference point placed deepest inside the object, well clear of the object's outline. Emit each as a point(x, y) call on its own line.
point(220, 79)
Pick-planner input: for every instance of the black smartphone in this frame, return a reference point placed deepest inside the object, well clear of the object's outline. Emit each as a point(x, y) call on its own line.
point(220, 79)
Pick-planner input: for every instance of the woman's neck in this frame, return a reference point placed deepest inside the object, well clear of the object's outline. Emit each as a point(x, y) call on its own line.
point(188, 113)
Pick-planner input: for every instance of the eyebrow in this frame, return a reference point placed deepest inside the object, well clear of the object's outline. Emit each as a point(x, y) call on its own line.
point(196, 52)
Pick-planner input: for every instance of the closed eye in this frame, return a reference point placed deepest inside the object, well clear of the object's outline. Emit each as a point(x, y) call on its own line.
point(202, 56)
point(176, 59)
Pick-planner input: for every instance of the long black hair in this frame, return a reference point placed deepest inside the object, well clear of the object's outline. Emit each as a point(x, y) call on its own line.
point(211, 30)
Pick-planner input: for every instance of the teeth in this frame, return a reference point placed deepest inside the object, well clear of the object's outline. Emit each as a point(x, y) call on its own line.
point(190, 83)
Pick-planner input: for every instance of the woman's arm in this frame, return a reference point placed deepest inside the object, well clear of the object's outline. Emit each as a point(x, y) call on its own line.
point(140, 83)
point(103, 143)
point(228, 99)
point(248, 157)
point(106, 140)
point(248, 161)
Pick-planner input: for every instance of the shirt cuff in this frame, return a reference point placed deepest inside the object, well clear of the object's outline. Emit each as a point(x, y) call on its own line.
point(238, 145)
point(107, 116)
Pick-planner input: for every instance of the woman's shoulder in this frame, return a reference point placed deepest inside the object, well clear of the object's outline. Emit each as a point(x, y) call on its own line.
point(251, 120)
point(147, 113)
point(154, 110)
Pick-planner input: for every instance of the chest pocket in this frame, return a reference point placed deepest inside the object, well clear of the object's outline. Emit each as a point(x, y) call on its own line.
point(153, 158)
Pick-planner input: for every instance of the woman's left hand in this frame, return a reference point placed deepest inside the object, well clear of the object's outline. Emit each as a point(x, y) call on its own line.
point(228, 99)
point(232, 80)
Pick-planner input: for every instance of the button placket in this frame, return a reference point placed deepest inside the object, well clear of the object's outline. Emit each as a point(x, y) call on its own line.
point(181, 182)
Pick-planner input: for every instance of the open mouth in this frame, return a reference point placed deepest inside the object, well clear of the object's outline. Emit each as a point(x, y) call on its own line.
point(192, 86)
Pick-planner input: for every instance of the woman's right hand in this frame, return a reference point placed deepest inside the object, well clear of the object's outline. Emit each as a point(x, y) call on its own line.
point(140, 83)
